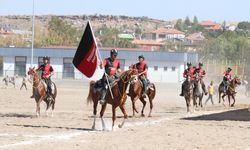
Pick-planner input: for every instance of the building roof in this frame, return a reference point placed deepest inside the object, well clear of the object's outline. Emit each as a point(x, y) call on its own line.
point(215, 28)
point(196, 37)
point(122, 54)
point(147, 42)
point(207, 23)
point(168, 31)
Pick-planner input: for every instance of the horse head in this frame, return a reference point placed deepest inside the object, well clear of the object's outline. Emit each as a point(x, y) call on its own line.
point(31, 71)
point(126, 75)
point(236, 81)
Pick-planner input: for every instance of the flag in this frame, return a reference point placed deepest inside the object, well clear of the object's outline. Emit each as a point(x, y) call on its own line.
point(85, 59)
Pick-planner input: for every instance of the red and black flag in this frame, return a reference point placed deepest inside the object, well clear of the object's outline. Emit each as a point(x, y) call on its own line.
point(85, 59)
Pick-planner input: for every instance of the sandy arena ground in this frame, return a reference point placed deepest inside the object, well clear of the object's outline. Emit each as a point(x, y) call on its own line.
point(215, 127)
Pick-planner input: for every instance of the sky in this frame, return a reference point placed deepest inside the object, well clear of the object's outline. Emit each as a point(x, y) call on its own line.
point(216, 10)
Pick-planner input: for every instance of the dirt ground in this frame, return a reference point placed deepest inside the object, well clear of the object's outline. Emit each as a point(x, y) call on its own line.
point(214, 127)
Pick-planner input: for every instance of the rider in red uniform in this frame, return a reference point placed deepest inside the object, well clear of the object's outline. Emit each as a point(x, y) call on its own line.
point(201, 72)
point(189, 72)
point(112, 67)
point(227, 77)
point(142, 68)
point(47, 72)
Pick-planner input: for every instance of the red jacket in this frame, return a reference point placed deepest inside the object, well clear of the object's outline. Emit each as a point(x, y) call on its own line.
point(142, 67)
point(46, 70)
point(189, 72)
point(227, 76)
point(202, 73)
point(111, 66)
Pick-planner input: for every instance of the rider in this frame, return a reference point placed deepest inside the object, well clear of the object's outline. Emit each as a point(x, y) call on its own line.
point(189, 72)
point(142, 68)
point(47, 72)
point(227, 78)
point(201, 72)
point(112, 69)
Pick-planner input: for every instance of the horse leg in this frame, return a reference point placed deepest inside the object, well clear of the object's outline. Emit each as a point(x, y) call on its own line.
point(47, 107)
point(94, 113)
point(188, 104)
point(101, 114)
point(219, 97)
point(151, 107)
point(38, 106)
point(229, 99)
point(144, 104)
point(113, 117)
point(234, 101)
point(125, 115)
point(133, 107)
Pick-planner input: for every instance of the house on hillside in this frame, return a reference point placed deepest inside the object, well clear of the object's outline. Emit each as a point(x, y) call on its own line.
point(195, 38)
point(148, 44)
point(211, 26)
point(164, 34)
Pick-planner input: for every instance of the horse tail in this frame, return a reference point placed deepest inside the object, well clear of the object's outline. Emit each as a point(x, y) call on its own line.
point(55, 91)
point(90, 95)
point(153, 95)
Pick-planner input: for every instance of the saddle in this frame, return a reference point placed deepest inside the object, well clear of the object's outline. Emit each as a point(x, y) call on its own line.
point(149, 85)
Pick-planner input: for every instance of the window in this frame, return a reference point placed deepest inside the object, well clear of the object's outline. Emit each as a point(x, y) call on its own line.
point(68, 68)
point(173, 68)
point(165, 68)
point(155, 68)
point(162, 36)
point(20, 65)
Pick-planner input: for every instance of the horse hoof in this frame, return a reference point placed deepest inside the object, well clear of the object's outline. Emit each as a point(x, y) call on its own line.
point(120, 126)
point(142, 115)
point(232, 105)
point(149, 116)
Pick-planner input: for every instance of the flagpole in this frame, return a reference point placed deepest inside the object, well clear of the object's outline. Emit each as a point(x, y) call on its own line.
point(100, 57)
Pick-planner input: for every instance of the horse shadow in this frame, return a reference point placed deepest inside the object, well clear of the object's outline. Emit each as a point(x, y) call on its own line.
point(48, 127)
point(15, 115)
point(233, 115)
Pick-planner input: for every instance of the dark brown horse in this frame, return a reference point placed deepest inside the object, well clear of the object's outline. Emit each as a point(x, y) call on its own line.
point(40, 95)
point(135, 92)
point(188, 93)
point(230, 91)
point(119, 97)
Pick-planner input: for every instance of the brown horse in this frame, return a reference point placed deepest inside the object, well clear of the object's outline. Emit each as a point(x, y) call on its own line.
point(40, 94)
point(230, 91)
point(119, 97)
point(188, 93)
point(135, 92)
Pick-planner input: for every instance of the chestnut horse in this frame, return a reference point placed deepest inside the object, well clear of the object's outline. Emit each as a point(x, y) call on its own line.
point(118, 89)
point(40, 92)
point(135, 92)
point(230, 91)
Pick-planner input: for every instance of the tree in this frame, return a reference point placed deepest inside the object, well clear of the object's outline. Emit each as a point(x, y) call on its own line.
point(244, 25)
point(195, 20)
point(187, 21)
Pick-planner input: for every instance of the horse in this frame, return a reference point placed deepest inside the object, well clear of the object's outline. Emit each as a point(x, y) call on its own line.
point(40, 94)
point(135, 93)
point(118, 89)
point(188, 93)
point(230, 91)
point(198, 92)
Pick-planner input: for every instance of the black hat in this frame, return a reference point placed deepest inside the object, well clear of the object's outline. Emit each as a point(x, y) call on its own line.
point(189, 64)
point(113, 51)
point(229, 69)
point(200, 64)
point(45, 58)
point(141, 56)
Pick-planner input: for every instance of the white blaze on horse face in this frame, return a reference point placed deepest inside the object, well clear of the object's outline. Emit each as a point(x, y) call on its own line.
point(134, 79)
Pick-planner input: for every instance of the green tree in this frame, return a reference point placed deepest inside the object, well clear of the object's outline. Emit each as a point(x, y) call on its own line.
point(187, 21)
point(195, 20)
point(244, 25)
